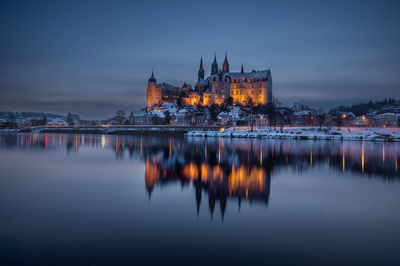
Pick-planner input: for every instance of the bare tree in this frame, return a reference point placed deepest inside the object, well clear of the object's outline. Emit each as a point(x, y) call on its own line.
point(321, 117)
point(120, 117)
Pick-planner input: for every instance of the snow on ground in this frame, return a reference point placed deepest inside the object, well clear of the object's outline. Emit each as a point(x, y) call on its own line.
point(370, 134)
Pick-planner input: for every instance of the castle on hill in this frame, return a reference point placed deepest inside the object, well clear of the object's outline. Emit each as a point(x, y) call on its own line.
point(221, 87)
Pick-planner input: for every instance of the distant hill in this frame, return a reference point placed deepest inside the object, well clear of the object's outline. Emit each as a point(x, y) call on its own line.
point(389, 105)
point(23, 116)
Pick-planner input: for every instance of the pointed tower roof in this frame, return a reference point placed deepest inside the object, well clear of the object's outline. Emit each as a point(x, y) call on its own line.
point(152, 79)
point(201, 63)
point(241, 70)
point(225, 66)
point(214, 65)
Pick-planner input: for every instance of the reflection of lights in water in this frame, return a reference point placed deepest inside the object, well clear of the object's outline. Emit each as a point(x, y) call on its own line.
point(219, 152)
point(383, 153)
point(103, 141)
point(116, 144)
point(170, 148)
point(244, 181)
point(191, 171)
point(362, 157)
point(358, 155)
point(343, 167)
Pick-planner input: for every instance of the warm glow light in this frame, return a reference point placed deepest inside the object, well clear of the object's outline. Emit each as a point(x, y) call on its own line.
point(219, 152)
point(343, 161)
point(190, 171)
point(344, 116)
point(222, 129)
point(141, 145)
point(170, 148)
point(363, 117)
point(362, 157)
point(242, 182)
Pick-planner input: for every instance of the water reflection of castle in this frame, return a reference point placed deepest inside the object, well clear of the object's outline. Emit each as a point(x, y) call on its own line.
point(218, 181)
point(225, 169)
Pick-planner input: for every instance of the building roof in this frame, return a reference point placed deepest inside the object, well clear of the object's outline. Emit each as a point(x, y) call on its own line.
point(164, 85)
point(264, 74)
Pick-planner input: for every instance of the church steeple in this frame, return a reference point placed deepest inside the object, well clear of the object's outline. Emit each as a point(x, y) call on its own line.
point(241, 70)
point(225, 67)
point(214, 66)
point(200, 75)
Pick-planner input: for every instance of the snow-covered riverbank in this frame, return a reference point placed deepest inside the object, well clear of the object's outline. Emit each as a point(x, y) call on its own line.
point(369, 134)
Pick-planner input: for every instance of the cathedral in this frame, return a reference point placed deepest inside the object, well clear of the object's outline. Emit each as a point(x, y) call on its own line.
point(221, 87)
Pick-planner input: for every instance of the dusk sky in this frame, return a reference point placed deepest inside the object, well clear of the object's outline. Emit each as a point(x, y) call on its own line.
point(94, 57)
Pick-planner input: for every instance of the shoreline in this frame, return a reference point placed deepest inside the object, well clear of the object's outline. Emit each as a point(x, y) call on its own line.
point(114, 130)
point(299, 133)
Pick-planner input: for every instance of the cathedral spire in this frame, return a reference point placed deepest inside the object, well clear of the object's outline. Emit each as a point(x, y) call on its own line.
point(200, 75)
point(214, 66)
point(241, 70)
point(225, 67)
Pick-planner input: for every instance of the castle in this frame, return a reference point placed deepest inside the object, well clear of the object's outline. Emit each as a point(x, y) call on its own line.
point(221, 87)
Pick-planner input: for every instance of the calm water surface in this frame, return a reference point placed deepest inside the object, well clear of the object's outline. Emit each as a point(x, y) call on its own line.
point(85, 199)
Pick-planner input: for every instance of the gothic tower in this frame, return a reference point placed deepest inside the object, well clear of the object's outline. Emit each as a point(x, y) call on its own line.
point(214, 66)
point(200, 75)
point(153, 93)
point(241, 70)
point(225, 66)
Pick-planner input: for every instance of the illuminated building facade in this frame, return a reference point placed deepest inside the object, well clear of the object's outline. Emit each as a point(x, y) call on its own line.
point(221, 87)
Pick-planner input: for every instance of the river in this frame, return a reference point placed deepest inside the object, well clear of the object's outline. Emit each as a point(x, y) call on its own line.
point(96, 199)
